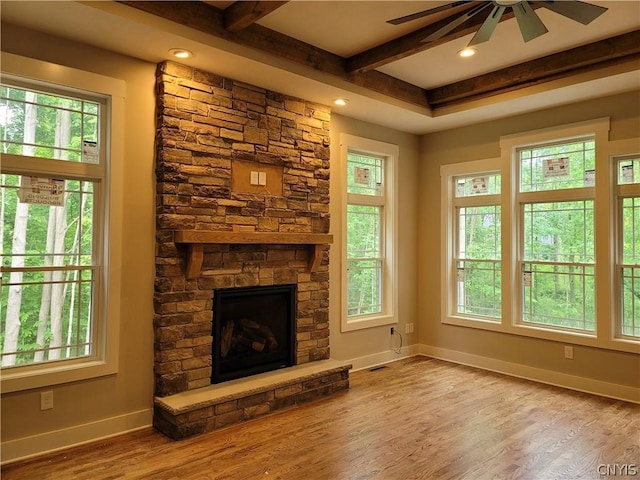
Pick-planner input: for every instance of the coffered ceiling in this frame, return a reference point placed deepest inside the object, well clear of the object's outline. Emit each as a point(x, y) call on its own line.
point(322, 50)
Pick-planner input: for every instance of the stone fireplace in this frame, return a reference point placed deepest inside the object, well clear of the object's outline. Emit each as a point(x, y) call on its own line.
point(242, 205)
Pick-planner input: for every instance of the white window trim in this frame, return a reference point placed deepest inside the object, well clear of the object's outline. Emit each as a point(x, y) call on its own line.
point(619, 149)
point(605, 335)
point(389, 314)
point(447, 229)
point(105, 362)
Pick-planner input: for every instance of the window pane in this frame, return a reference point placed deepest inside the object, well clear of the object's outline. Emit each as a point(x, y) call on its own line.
point(557, 167)
point(628, 171)
point(559, 232)
point(559, 295)
point(631, 231)
point(479, 290)
point(364, 287)
point(470, 186)
point(631, 302)
point(363, 231)
point(54, 311)
point(48, 126)
point(479, 232)
point(47, 269)
point(52, 235)
point(365, 174)
point(630, 308)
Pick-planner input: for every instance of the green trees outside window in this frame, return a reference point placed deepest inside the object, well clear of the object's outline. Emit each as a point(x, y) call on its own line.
point(47, 222)
point(365, 210)
point(478, 246)
point(628, 176)
point(558, 234)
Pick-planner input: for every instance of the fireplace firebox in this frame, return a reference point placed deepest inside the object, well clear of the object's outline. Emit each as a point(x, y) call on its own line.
point(254, 330)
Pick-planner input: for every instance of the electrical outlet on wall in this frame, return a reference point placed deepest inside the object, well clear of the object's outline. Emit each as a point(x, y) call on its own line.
point(46, 400)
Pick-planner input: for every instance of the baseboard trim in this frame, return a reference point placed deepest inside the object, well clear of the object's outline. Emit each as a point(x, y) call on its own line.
point(49, 442)
point(381, 358)
point(549, 377)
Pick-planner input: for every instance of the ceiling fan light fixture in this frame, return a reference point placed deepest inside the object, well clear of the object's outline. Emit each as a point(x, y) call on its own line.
point(467, 52)
point(529, 23)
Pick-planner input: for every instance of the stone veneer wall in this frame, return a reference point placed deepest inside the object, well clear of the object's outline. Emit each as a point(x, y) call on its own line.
point(205, 123)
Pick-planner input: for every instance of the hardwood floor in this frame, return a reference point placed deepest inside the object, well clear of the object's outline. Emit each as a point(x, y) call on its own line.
point(418, 418)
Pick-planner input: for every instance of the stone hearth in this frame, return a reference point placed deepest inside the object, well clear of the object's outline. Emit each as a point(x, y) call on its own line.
point(209, 408)
point(215, 137)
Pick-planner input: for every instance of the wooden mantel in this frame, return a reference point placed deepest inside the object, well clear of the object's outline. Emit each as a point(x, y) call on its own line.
point(196, 239)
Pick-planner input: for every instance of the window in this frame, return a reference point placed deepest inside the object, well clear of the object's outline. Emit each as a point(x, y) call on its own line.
point(628, 233)
point(55, 237)
point(478, 246)
point(369, 233)
point(542, 241)
point(48, 227)
point(557, 233)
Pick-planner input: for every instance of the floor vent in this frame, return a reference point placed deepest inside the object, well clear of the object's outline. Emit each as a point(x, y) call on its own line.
point(380, 367)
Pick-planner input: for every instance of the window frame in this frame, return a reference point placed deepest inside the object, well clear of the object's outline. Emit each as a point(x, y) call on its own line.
point(471, 201)
point(620, 192)
point(449, 223)
point(389, 235)
point(31, 73)
point(551, 196)
point(605, 335)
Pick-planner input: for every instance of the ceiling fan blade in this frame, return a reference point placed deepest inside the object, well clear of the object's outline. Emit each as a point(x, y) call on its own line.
point(486, 30)
point(530, 24)
point(425, 13)
point(582, 12)
point(458, 21)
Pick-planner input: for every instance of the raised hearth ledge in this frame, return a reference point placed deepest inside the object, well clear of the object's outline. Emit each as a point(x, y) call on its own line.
point(184, 402)
point(196, 239)
point(193, 412)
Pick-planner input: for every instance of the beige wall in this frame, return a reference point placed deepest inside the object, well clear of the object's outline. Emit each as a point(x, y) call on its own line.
point(126, 397)
point(479, 142)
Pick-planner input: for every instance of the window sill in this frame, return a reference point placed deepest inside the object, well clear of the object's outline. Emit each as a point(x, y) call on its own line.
point(575, 338)
point(29, 377)
point(354, 323)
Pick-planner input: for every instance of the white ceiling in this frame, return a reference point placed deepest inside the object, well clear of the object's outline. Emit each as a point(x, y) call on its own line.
point(346, 28)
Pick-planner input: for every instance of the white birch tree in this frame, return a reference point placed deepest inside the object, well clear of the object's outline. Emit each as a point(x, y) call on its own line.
point(45, 300)
point(18, 246)
point(62, 139)
point(74, 285)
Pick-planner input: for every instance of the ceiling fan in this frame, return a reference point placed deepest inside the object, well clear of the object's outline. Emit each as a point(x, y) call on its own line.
point(530, 24)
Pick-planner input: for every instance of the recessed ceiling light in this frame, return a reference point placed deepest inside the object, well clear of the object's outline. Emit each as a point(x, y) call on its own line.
point(181, 53)
point(341, 101)
point(467, 52)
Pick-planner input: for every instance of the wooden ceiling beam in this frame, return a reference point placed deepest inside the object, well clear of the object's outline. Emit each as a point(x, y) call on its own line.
point(210, 20)
point(240, 15)
point(600, 54)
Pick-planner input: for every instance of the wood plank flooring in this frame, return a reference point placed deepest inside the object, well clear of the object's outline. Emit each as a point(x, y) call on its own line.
point(418, 418)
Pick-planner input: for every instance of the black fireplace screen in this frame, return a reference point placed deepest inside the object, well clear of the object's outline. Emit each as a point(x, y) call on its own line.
point(253, 331)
